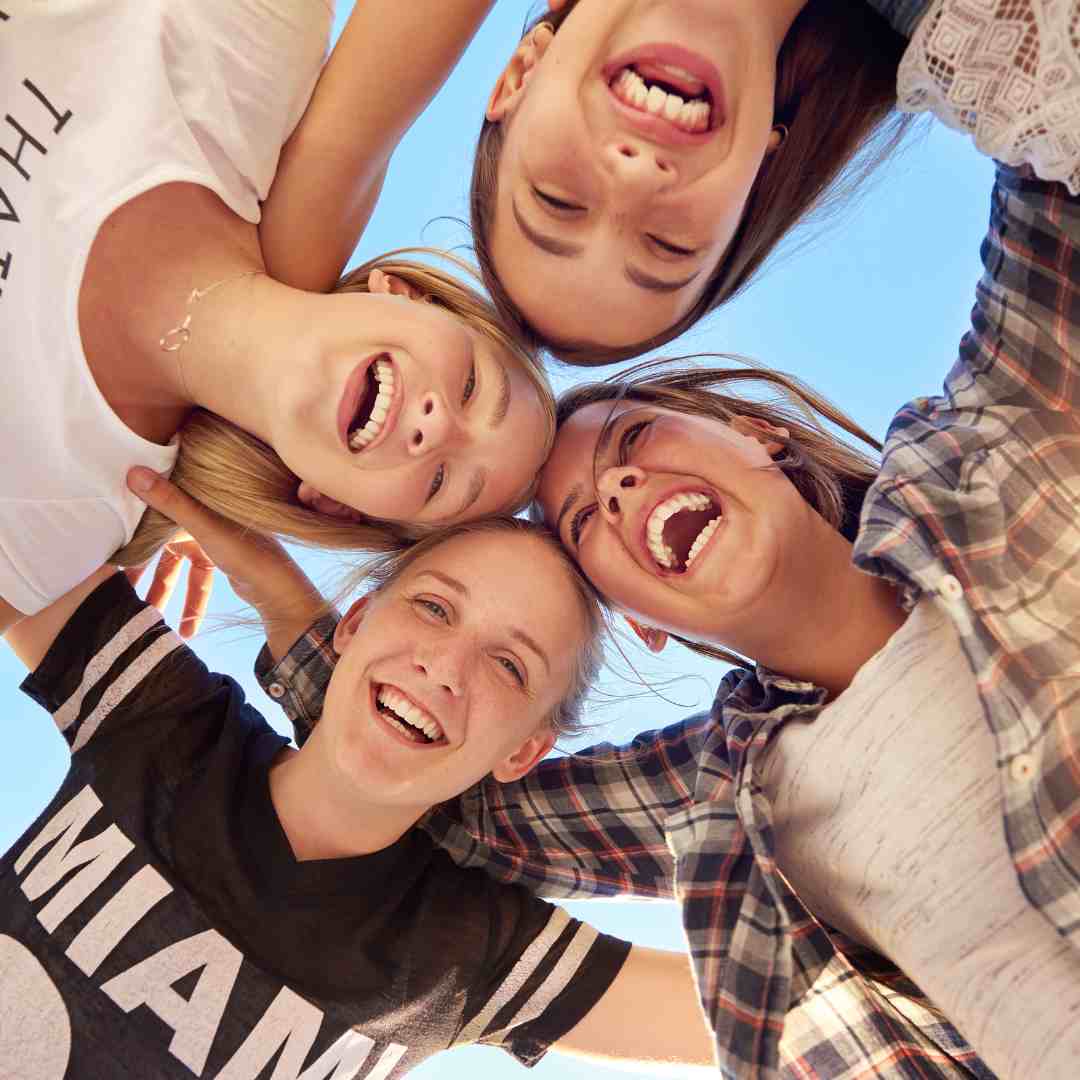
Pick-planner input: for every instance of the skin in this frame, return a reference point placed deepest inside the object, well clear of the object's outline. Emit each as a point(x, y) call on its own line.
point(581, 174)
point(775, 582)
point(275, 361)
point(358, 785)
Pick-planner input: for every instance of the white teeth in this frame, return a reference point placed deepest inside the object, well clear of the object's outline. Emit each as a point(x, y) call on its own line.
point(703, 538)
point(692, 115)
point(409, 713)
point(384, 375)
point(654, 529)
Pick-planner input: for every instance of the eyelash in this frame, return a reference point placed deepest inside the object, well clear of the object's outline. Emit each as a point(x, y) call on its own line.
point(434, 608)
point(437, 482)
point(670, 248)
point(470, 385)
point(558, 204)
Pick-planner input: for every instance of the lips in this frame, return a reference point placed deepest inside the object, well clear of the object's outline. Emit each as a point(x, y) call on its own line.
point(683, 73)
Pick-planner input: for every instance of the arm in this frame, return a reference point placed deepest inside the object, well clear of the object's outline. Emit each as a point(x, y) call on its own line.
point(390, 60)
point(32, 636)
point(650, 1017)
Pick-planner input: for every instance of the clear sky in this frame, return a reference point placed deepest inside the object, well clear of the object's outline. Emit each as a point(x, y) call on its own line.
point(870, 314)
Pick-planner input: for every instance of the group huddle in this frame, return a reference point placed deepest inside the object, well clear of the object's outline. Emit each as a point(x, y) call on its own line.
point(874, 831)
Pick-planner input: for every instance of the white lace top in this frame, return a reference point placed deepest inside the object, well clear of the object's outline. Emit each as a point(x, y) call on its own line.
point(1007, 72)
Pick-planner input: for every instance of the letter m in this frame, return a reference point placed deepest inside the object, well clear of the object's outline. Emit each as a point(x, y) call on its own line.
point(97, 857)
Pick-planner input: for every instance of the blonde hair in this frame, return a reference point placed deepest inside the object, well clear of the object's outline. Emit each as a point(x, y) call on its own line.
point(830, 474)
point(835, 91)
point(565, 719)
point(243, 479)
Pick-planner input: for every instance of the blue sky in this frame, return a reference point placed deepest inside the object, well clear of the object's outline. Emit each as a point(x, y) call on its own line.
point(870, 314)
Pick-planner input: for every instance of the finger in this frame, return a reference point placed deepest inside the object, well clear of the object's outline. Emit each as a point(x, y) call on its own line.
point(168, 499)
point(134, 573)
point(199, 586)
point(166, 576)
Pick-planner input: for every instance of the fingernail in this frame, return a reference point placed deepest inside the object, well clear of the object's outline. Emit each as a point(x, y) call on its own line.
point(141, 479)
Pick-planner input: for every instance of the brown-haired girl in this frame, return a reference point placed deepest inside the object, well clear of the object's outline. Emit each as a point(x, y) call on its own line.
point(639, 161)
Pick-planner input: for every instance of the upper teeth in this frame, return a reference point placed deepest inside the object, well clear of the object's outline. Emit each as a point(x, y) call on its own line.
point(631, 88)
point(654, 530)
point(384, 374)
point(409, 712)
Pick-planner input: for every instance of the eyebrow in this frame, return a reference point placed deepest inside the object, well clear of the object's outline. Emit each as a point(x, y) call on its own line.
point(502, 403)
point(554, 246)
point(520, 635)
point(447, 580)
point(575, 494)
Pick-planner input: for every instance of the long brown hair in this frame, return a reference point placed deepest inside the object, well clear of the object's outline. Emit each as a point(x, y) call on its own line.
point(835, 88)
point(243, 479)
point(832, 475)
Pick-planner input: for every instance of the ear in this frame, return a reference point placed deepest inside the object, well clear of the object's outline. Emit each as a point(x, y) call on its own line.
point(767, 434)
point(323, 504)
point(379, 281)
point(556, 5)
point(508, 91)
point(524, 757)
point(350, 624)
point(654, 639)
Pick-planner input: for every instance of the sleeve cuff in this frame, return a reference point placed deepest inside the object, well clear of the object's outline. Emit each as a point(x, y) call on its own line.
point(298, 681)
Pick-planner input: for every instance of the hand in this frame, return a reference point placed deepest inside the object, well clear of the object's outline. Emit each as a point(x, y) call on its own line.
point(200, 581)
point(259, 569)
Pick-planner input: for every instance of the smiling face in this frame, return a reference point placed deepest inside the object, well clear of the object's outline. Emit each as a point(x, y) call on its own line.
point(685, 524)
point(450, 672)
point(632, 139)
point(408, 418)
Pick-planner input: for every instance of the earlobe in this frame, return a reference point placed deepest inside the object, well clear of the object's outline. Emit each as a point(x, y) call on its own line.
point(347, 628)
point(654, 640)
point(525, 757)
point(379, 281)
point(769, 435)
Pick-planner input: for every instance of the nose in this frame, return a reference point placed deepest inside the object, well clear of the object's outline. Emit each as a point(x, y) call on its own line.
point(443, 666)
point(431, 425)
point(639, 166)
point(615, 487)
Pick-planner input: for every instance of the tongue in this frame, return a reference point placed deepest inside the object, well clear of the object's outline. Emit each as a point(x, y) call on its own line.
point(687, 87)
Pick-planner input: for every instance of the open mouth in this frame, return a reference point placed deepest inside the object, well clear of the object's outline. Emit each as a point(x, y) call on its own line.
point(406, 717)
point(373, 406)
point(679, 529)
point(667, 91)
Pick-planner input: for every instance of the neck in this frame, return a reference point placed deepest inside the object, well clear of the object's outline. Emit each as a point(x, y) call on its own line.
point(326, 820)
point(834, 617)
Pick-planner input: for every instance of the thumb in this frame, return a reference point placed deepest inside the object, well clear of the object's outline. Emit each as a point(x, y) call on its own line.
point(165, 497)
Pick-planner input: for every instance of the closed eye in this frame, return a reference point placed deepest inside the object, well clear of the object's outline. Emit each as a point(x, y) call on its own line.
point(556, 203)
point(629, 437)
point(670, 248)
point(577, 523)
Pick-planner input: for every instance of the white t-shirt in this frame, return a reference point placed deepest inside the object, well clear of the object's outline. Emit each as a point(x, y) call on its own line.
point(887, 815)
point(104, 100)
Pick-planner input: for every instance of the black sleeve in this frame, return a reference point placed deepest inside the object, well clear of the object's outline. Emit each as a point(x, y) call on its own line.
point(116, 665)
point(546, 973)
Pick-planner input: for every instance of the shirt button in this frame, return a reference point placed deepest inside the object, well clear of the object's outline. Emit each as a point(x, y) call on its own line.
point(951, 589)
point(276, 690)
point(1022, 768)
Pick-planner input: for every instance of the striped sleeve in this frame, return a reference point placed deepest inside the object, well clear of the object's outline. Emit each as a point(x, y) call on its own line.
point(102, 660)
point(543, 993)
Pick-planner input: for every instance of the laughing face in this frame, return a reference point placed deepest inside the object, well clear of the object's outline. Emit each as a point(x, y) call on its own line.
point(409, 421)
point(632, 139)
point(681, 521)
point(450, 672)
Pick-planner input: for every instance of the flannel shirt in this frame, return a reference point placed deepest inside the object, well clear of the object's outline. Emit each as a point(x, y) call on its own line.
point(977, 501)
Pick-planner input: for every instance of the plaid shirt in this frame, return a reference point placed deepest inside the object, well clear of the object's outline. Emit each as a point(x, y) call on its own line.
point(977, 501)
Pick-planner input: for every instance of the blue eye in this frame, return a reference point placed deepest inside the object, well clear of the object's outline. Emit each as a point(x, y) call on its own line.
point(433, 608)
point(512, 668)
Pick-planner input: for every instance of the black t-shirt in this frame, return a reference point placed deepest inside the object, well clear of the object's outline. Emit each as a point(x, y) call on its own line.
point(154, 923)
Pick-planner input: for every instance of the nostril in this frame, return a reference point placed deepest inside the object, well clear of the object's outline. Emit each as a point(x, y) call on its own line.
point(417, 438)
point(428, 406)
point(628, 151)
point(613, 505)
point(627, 482)
point(663, 166)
